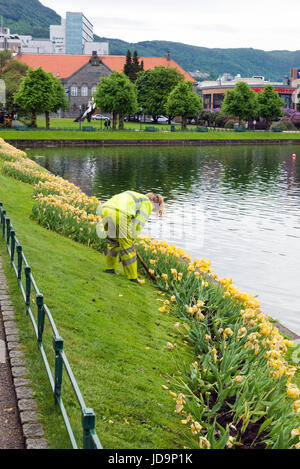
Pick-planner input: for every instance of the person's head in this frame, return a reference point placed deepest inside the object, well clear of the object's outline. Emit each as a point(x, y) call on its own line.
point(157, 202)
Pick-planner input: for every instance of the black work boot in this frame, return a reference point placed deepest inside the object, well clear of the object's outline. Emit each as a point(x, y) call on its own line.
point(110, 271)
point(135, 280)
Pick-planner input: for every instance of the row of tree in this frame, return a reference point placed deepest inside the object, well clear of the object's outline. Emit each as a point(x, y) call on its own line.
point(245, 104)
point(155, 92)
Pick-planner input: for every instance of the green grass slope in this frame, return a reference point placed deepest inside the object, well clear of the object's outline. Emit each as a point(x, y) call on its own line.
point(114, 337)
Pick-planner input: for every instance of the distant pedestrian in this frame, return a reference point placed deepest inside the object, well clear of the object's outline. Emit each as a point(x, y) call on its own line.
point(105, 123)
point(108, 123)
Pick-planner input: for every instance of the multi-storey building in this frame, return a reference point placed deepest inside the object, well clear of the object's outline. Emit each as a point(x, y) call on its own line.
point(78, 31)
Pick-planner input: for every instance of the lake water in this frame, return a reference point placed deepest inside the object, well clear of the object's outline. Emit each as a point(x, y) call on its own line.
point(238, 206)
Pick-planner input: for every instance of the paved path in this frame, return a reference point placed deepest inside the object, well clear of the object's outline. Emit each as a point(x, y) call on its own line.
point(19, 427)
point(11, 433)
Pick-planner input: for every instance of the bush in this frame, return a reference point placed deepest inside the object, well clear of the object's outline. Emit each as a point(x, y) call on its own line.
point(220, 119)
point(283, 125)
point(261, 126)
point(229, 124)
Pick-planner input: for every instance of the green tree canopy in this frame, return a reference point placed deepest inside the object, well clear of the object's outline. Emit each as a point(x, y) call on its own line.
point(154, 87)
point(117, 95)
point(184, 102)
point(269, 104)
point(58, 98)
point(35, 93)
point(133, 66)
point(240, 102)
point(12, 73)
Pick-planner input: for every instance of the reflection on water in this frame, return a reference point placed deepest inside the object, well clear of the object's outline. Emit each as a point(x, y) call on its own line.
point(238, 206)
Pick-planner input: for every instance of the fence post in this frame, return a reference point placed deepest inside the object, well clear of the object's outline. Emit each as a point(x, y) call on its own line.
point(58, 345)
point(3, 213)
point(88, 425)
point(12, 246)
point(19, 253)
point(28, 286)
point(7, 230)
point(41, 316)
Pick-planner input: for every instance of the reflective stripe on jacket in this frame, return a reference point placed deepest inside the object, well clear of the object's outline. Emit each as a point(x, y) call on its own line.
point(137, 208)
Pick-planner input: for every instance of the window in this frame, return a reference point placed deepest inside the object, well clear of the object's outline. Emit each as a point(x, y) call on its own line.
point(206, 101)
point(74, 90)
point(84, 90)
point(94, 89)
point(218, 100)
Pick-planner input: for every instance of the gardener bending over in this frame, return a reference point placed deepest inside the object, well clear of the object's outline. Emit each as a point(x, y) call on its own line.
point(124, 216)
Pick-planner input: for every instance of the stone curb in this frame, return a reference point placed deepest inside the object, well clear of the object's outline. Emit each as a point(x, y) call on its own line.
point(33, 431)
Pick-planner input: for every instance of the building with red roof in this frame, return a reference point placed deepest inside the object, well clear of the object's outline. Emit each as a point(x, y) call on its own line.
point(80, 74)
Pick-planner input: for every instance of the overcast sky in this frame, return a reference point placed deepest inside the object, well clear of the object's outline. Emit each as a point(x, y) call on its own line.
point(261, 24)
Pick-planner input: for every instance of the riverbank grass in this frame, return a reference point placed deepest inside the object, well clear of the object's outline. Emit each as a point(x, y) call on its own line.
point(127, 134)
point(115, 338)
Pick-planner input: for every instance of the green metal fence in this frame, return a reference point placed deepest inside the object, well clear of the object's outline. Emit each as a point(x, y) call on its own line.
point(28, 287)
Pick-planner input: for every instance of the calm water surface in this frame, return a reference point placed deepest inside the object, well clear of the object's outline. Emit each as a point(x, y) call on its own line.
point(238, 206)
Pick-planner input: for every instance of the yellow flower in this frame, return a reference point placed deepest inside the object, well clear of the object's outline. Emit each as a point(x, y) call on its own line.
point(173, 298)
point(204, 443)
point(293, 391)
point(170, 346)
point(239, 379)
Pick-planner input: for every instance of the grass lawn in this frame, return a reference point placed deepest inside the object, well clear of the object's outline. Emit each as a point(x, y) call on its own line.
point(114, 337)
point(143, 135)
point(68, 129)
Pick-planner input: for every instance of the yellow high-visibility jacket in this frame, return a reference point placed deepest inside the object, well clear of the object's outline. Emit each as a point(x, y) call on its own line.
point(132, 205)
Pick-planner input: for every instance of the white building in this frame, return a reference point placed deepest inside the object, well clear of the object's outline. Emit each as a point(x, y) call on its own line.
point(100, 47)
point(9, 41)
point(58, 37)
point(36, 46)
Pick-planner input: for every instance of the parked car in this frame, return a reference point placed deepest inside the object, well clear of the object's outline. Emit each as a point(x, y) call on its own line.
point(99, 117)
point(161, 119)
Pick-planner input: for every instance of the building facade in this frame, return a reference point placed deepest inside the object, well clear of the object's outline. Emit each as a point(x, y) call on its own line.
point(213, 92)
point(9, 41)
point(79, 30)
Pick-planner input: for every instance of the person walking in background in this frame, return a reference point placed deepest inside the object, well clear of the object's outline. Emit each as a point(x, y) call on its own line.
point(124, 216)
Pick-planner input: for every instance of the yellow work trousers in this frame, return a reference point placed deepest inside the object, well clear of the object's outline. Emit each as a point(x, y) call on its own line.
point(124, 248)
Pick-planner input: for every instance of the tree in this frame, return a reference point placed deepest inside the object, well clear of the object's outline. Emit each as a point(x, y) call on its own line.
point(116, 94)
point(12, 73)
point(154, 87)
point(5, 57)
point(58, 99)
point(269, 104)
point(240, 102)
point(35, 93)
point(184, 102)
point(133, 66)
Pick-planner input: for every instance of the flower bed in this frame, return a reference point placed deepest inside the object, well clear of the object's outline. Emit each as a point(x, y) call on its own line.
point(238, 392)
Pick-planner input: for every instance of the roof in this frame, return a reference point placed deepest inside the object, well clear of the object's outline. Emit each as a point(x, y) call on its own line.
point(63, 65)
point(117, 62)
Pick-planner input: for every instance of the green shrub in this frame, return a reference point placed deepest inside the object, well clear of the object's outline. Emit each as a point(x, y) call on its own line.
point(229, 124)
point(283, 125)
